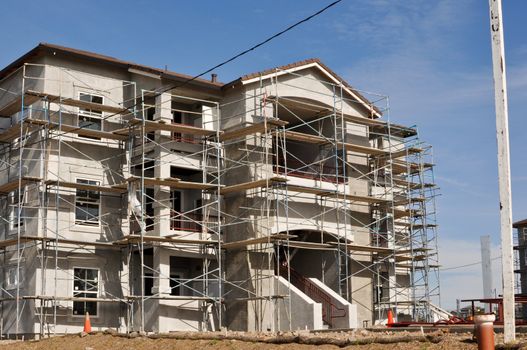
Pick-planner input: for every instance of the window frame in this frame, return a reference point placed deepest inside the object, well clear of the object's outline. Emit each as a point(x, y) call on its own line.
point(14, 214)
point(90, 113)
point(86, 223)
point(15, 283)
point(85, 292)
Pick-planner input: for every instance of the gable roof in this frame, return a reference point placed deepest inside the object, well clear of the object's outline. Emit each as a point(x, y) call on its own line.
point(52, 49)
point(43, 49)
point(304, 64)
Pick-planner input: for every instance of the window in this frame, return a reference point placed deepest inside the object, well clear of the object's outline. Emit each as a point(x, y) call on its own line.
point(85, 285)
point(175, 284)
point(149, 208)
point(12, 278)
point(177, 118)
point(87, 204)
point(150, 114)
point(149, 284)
point(16, 210)
point(176, 217)
point(90, 118)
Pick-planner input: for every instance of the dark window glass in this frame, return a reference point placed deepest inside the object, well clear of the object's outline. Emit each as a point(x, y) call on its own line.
point(85, 285)
point(87, 204)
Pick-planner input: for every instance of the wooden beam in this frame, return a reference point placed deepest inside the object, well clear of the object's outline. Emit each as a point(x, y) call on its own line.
point(406, 152)
point(173, 182)
point(309, 245)
point(302, 137)
point(365, 248)
point(412, 185)
point(14, 184)
point(414, 226)
point(85, 132)
point(408, 201)
point(151, 125)
point(268, 125)
point(363, 149)
point(14, 131)
point(76, 103)
point(184, 185)
point(310, 190)
point(252, 184)
point(130, 239)
point(15, 105)
point(402, 167)
point(86, 187)
point(402, 213)
point(24, 239)
point(357, 198)
point(251, 241)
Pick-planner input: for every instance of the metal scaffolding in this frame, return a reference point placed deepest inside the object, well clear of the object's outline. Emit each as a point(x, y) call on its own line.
point(254, 175)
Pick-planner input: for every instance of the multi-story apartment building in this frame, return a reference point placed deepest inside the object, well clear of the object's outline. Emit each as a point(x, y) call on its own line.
point(520, 264)
point(158, 202)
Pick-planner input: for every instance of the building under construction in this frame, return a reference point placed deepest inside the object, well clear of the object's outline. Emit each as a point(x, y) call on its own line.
point(157, 202)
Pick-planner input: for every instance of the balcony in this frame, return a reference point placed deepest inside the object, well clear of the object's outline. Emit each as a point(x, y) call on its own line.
point(186, 138)
point(192, 222)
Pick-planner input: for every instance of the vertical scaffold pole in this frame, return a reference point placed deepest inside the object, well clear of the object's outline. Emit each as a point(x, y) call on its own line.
point(502, 134)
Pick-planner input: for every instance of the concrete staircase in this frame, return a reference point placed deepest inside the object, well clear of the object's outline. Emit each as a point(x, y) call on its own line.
point(336, 312)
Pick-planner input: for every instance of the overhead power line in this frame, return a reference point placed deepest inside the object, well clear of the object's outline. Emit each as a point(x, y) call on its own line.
point(262, 42)
point(236, 56)
point(467, 265)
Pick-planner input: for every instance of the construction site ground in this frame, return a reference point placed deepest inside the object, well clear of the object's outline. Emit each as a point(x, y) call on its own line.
point(362, 339)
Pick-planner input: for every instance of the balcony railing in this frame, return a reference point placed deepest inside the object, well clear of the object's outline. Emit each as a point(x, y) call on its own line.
point(186, 138)
point(330, 311)
point(192, 222)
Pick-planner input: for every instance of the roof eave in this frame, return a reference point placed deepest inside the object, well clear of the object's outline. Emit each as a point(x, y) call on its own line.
point(313, 62)
point(45, 48)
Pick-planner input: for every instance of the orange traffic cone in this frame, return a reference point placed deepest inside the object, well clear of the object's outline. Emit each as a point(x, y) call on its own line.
point(87, 323)
point(390, 318)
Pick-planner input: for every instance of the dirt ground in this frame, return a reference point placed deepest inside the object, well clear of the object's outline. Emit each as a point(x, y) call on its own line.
point(115, 342)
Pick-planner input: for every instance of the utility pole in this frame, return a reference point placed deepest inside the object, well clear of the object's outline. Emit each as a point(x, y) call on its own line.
point(504, 178)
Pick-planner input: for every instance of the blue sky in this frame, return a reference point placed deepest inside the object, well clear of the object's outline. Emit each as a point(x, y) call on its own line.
point(432, 58)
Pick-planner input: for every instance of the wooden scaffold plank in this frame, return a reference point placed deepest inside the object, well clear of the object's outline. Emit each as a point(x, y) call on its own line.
point(268, 125)
point(303, 137)
point(358, 198)
point(151, 126)
point(76, 103)
point(133, 239)
point(251, 241)
point(86, 187)
point(252, 184)
point(363, 149)
point(173, 182)
point(14, 184)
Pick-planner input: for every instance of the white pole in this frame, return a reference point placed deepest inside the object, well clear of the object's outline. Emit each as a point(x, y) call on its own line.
point(502, 134)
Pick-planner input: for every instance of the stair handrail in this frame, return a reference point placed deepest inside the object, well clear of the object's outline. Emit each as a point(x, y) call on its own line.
point(329, 309)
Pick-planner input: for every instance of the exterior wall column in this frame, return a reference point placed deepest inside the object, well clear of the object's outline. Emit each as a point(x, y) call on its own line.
point(162, 205)
point(162, 268)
